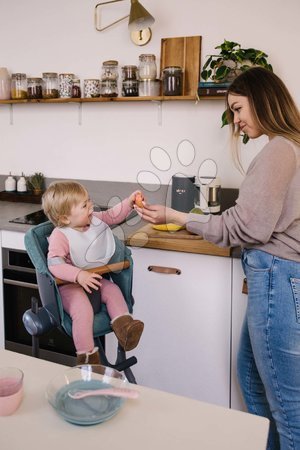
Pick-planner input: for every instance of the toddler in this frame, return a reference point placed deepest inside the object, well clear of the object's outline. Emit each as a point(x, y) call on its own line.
point(82, 239)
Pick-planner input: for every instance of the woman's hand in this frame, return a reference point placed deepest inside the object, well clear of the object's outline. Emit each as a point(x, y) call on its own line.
point(89, 280)
point(161, 214)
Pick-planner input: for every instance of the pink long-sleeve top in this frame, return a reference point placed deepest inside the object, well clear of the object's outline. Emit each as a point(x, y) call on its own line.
point(59, 245)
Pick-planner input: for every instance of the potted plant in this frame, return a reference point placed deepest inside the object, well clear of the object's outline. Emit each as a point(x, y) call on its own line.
point(231, 61)
point(36, 183)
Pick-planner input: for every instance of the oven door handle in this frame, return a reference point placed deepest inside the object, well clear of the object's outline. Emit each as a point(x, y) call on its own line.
point(20, 283)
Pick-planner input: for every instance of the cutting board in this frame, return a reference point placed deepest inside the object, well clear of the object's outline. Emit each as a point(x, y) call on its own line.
point(184, 52)
point(180, 234)
point(180, 241)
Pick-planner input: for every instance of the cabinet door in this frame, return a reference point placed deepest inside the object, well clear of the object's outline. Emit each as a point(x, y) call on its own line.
point(239, 304)
point(185, 347)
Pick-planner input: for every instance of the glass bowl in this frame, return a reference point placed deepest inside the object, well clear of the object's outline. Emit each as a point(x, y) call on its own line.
point(92, 409)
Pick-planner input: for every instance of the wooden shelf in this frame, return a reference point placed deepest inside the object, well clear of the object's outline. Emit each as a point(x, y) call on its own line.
point(111, 99)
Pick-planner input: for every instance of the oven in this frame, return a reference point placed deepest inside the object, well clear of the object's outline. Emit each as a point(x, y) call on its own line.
point(19, 286)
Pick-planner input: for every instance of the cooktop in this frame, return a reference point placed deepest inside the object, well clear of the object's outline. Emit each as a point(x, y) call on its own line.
point(39, 216)
point(31, 219)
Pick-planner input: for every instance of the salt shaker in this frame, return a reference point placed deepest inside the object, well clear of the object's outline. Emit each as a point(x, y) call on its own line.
point(10, 183)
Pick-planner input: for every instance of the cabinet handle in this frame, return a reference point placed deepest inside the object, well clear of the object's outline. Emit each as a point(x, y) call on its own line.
point(167, 270)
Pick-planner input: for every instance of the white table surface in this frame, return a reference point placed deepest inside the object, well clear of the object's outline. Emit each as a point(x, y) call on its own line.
point(155, 421)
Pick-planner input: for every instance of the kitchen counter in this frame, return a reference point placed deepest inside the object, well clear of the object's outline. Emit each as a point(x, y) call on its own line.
point(135, 232)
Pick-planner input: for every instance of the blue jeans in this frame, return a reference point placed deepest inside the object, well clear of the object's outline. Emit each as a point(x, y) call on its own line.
point(269, 353)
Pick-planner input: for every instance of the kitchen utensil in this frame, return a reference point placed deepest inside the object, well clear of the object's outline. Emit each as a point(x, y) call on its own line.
point(115, 392)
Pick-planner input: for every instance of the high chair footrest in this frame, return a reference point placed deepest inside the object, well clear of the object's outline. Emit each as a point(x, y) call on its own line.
point(125, 364)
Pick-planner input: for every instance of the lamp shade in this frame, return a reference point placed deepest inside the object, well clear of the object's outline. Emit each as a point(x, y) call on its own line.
point(139, 17)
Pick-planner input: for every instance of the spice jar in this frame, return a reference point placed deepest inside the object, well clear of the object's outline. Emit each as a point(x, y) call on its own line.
point(50, 85)
point(147, 67)
point(34, 88)
point(65, 84)
point(76, 89)
point(172, 79)
point(18, 86)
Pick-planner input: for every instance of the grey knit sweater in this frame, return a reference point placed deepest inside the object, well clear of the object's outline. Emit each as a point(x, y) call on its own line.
point(267, 212)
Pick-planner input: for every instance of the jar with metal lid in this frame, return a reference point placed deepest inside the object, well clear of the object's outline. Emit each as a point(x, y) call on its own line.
point(172, 80)
point(65, 84)
point(110, 70)
point(35, 88)
point(50, 85)
point(147, 67)
point(129, 73)
point(18, 86)
point(76, 88)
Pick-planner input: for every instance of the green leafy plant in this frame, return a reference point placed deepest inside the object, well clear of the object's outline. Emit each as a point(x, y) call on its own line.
point(36, 182)
point(231, 61)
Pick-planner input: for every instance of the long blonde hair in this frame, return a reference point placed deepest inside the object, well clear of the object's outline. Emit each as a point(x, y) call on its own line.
point(59, 199)
point(272, 106)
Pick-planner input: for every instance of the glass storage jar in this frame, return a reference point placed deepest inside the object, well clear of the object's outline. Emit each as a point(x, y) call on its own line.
point(65, 84)
point(76, 88)
point(50, 85)
point(147, 67)
point(110, 70)
point(5, 84)
point(109, 88)
point(35, 88)
point(18, 86)
point(172, 80)
point(129, 73)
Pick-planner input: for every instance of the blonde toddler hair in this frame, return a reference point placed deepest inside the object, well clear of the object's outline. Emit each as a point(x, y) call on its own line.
point(59, 199)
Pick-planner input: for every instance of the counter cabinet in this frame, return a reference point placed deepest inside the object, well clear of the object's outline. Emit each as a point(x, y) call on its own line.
point(185, 347)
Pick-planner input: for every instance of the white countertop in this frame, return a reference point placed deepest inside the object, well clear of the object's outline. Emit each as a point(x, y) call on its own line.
point(157, 420)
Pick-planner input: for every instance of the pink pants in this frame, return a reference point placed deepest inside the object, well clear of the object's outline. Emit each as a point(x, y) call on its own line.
point(77, 304)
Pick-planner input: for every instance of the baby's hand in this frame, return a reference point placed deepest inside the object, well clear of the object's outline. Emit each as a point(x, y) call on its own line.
point(89, 280)
point(137, 198)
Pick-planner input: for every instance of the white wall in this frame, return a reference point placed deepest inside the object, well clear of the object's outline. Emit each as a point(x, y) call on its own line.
point(114, 140)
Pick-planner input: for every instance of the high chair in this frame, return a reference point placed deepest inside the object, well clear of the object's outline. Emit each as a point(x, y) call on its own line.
point(39, 320)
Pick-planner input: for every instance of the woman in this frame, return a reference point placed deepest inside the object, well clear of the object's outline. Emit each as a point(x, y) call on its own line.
point(265, 222)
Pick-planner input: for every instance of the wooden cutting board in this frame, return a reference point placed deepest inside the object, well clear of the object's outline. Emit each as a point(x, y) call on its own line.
point(180, 241)
point(180, 234)
point(184, 52)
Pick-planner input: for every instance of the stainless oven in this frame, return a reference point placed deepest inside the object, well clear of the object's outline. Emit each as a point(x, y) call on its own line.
point(20, 285)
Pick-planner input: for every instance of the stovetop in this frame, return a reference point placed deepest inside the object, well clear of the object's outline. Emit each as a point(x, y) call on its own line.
point(39, 216)
point(31, 219)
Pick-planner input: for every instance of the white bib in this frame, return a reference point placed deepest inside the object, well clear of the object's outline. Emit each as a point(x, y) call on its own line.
point(93, 247)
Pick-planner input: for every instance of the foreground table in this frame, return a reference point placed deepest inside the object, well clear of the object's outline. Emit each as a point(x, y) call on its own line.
point(156, 421)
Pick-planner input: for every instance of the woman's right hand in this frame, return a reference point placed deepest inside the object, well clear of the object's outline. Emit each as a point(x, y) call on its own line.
point(89, 280)
point(157, 214)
